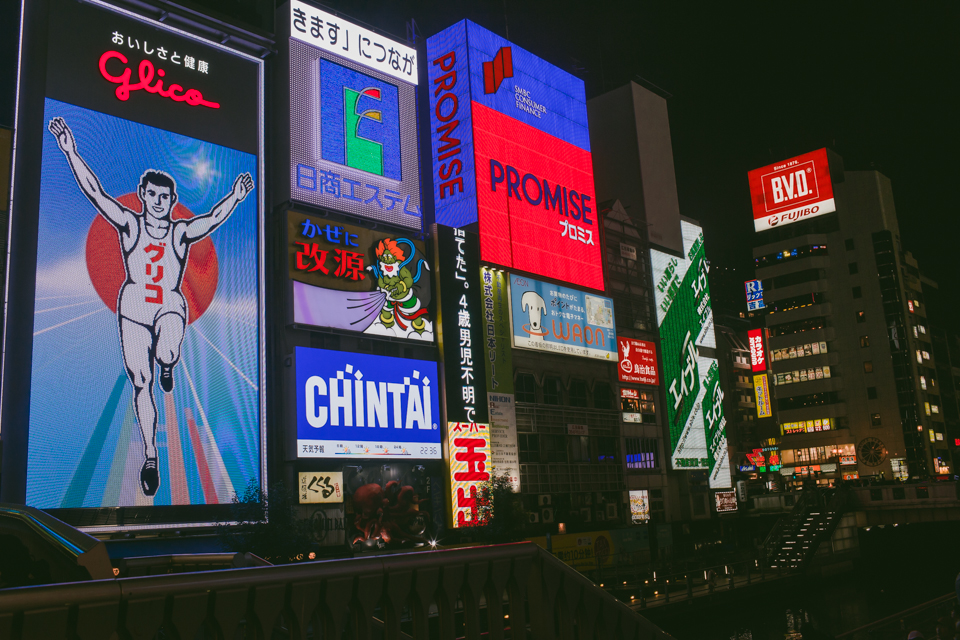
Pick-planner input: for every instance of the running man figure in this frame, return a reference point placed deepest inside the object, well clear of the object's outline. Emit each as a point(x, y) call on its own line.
point(151, 310)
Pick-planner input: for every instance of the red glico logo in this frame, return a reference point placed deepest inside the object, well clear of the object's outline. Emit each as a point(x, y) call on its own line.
point(146, 74)
point(497, 69)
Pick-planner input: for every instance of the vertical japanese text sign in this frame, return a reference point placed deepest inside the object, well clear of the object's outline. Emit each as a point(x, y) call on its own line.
point(462, 325)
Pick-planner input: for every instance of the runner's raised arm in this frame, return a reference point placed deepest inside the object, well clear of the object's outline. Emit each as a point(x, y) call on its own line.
point(112, 210)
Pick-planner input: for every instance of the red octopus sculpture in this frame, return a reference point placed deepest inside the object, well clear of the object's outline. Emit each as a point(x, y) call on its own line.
point(387, 513)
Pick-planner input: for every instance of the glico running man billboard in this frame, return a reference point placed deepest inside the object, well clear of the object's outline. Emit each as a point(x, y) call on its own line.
point(146, 380)
point(511, 150)
point(690, 372)
point(354, 405)
point(353, 119)
point(792, 190)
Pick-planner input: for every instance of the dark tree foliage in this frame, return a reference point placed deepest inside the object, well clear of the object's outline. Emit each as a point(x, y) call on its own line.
point(501, 516)
point(267, 524)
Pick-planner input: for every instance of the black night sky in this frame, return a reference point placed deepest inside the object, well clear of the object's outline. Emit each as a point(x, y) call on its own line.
point(751, 83)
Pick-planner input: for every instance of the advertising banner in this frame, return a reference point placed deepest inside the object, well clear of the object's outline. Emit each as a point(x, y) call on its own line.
point(584, 550)
point(511, 150)
point(503, 437)
point(639, 506)
point(320, 487)
point(726, 501)
point(497, 330)
point(791, 190)
point(549, 317)
point(758, 355)
point(470, 461)
point(354, 405)
point(754, 289)
point(358, 279)
point(694, 396)
point(761, 388)
point(638, 361)
point(353, 120)
point(146, 382)
point(462, 325)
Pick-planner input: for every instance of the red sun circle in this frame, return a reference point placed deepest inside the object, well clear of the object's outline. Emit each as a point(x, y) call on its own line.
point(107, 273)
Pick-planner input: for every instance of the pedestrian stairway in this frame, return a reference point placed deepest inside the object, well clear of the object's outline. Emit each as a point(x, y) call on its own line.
point(795, 538)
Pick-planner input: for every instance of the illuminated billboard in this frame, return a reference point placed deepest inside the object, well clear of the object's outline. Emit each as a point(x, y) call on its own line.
point(758, 355)
point(726, 501)
point(145, 385)
point(791, 190)
point(511, 151)
point(754, 290)
point(548, 317)
point(470, 466)
point(354, 405)
point(761, 390)
point(638, 361)
point(639, 506)
point(691, 373)
point(353, 122)
point(358, 279)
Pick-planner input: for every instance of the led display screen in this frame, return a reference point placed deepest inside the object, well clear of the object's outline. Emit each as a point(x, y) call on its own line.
point(758, 357)
point(791, 190)
point(146, 380)
point(353, 123)
point(548, 317)
point(358, 279)
point(354, 405)
point(511, 151)
point(694, 397)
point(638, 361)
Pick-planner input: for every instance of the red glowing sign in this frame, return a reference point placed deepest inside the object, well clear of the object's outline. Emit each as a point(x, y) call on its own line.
point(758, 358)
point(145, 73)
point(638, 361)
point(536, 201)
point(791, 190)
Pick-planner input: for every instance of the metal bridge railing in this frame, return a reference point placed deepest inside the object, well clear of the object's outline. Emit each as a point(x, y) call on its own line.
point(498, 592)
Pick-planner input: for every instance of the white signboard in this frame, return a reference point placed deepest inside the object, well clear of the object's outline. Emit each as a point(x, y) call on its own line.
point(320, 487)
point(345, 39)
point(503, 437)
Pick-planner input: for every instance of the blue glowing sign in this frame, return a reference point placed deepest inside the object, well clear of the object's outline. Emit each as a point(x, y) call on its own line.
point(359, 121)
point(352, 405)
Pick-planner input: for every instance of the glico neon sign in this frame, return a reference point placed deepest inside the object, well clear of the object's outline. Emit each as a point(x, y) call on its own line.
point(146, 73)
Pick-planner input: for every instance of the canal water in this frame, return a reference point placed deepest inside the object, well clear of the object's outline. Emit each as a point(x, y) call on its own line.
point(899, 567)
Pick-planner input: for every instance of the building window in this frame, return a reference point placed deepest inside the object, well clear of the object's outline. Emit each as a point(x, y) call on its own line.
point(801, 375)
point(551, 390)
point(875, 419)
point(606, 449)
point(526, 387)
point(849, 244)
point(642, 453)
point(553, 448)
point(861, 316)
point(529, 447)
point(579, 448)
point(602, 396)
point(852, 267)
point(871, 393)
point(867, 366)
point(578, 393)
point(857, 292)
point(799, 351)
point(926, 409)
point(926, 355)
point(864, 341)
point(923, 382)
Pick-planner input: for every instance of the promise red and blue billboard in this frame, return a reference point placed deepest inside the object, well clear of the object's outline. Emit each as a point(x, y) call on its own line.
point(511, 150)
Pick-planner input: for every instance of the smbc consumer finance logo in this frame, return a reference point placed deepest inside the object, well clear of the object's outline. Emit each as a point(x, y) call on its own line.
point(359, 121)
